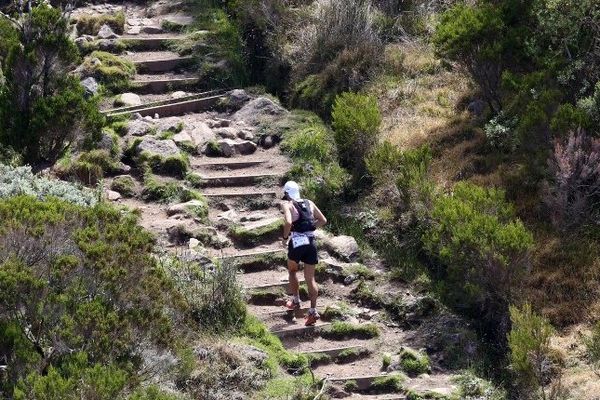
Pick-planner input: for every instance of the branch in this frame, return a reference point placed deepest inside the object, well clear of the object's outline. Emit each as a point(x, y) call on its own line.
point(322, 391)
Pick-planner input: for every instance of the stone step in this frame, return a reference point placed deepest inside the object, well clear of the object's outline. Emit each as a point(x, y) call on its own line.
point(150, 43)
point(229, 164)
point(163, 84)
point(377, 397)
point(241, 192)
point(170, 108)
point(271, 286)
point(237, 180)
point(132, 109)
point(335, 352)
point(163, 64)
point(301, 330)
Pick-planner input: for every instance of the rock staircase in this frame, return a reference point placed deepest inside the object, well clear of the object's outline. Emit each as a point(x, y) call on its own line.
point(242, 193)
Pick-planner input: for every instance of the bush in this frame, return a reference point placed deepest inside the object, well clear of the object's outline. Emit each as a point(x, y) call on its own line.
point(212, 293)
point(312, 143)
point(383, 161)
point(470, 387)
point(355, 121)
point(337, 51)
point(573, 191)
point(125, 185)
point(481, 252)
point(114, 72)
point(529, 342)
point(91, 24)
point(36, 85)
point(21, 181)
point(414, 363)
point(73, 280)
point(88, 168)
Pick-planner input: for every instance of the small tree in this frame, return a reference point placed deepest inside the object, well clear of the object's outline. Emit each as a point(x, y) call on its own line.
point(42, 107)
point(573, 191)
point(529, 342)
point(356, 120)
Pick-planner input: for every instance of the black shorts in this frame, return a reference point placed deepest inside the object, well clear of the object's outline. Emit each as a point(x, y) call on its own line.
point(306, 254)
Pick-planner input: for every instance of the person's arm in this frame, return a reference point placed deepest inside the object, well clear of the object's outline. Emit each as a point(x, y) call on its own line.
point(320, 219)
point(287, 220)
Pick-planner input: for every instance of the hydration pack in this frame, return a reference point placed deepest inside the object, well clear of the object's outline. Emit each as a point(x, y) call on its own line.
point(305, 221)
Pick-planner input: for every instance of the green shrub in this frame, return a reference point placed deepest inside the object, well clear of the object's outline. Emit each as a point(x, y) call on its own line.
point(351, 355)
point(91, 24)
point(312, 143)
point(84, 277)
point(481, 249)
point(21, 181)
point(383, 161)
point(529, 342)
point(351, 386)
point(175, 165)
point(125, 185)
point(88, 168)
point(414, 363)
point(592, 344)
point(29, 122)
point(392, 383)
point(114, 72)
point(345, 330)
point(470, 387)
point(167, 191)
point(355, 121)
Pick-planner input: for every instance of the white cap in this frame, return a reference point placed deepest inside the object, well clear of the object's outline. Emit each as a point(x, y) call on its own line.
point(292, 189)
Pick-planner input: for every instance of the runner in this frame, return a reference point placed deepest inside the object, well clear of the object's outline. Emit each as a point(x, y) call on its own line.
point(302, 218)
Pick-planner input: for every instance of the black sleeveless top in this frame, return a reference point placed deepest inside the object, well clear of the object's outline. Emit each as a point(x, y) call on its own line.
point(306, 220)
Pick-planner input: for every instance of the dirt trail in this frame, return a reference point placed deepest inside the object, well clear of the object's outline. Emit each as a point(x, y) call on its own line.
point(242, 192)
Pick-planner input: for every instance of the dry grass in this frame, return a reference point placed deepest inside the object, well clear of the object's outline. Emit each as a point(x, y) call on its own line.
point(424, 103)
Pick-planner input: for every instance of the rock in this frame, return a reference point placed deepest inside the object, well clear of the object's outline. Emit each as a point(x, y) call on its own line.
point(133, 22)
point(219, 123)
point(237, 98)
point(267, 142)
point(148, 118)
point(177, 21)
point(139, 127)
point(106, 32)
point(112, 195)
point(201, 134)
point(151, 29)
point(193, 243)
point(227, 133)
point(344, 247)
point(245, 147)
point(201, 352)
point(226, 147)
point(251, 353)
point(350, 279)
point(184, 208)
point(179, 94)
point(162, 148)
point(245, 135)
point(172, 124)
point(182, 137)
point(128, 100)
point(477, 107)
point(106, 142)
point(230, 215)
point(91, 87)
point(137, 115)
point(106, 44)
point(257, 110)
point(134, 30)
point(156, 116)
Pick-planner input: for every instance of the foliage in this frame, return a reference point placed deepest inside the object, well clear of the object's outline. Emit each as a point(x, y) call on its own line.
point(355, 121)
point(344, 330)
point(91, 24)
point(388, 383)
point(337, 50)
point(470, 387)
point(529, 342)
point(76, 279)
point(414, 363)
point(212, 293)
point(36, 85)
point(481, 251)
point(21, 181)
point(88, 167)
point(383, 161)
point(125, 185)
point(592, 344)
point(573, 191)
point(113, 72)
point(312, 143)
point(166, 192)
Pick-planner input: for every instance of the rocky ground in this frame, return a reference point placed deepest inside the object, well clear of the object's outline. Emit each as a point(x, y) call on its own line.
point(370, 325)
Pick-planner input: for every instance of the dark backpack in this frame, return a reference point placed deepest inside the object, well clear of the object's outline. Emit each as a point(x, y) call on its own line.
point(306, 221)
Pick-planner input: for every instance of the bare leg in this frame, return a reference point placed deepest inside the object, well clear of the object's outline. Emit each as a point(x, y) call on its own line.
point(313, 289)
point(294, 286)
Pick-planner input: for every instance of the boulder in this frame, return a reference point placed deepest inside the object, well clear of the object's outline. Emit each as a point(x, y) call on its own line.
point(257, 110)
point(155, 147)
point(139, 127)
point(151, 29)
point(229, 147)
point(182, 137)
point(343, 247)
point(193, 243)
point(267, 142)
point(106, 32)
point(179, 94)
point(245, 147)
point(237, 98)
point(184, 208)
point(245, 135)
point(91, 87)
point(112, 195)
point(133, 22)
point(201, 134)
point(226, 147)
point(128, 100)
point(218, 123)
point(106, 142)
point(227, 133)
point(173, 124)
point(134, 30)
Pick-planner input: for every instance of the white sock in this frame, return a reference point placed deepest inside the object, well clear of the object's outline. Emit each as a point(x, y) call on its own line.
point(296, 299)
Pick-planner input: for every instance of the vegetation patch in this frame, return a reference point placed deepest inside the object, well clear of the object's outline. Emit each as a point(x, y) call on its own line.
point(156, 189)
point(91, 24)
point(393, 383)
point(345, 330)
point(351, 355)
point(113, 72)
point(88, 168)
point(260, 262)
point(254, 236)
point(264, 297)
point(125, 185)
point(414, 363)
